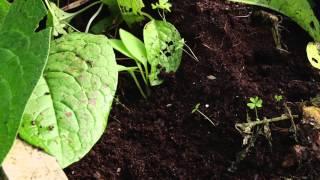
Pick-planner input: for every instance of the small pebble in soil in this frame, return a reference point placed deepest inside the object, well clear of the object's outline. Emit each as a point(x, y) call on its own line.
point(211, 77)
point(207, 105)
point(118, 170)
point(169, 105)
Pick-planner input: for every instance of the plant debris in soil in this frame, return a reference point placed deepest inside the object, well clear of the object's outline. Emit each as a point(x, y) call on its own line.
point(160, 138)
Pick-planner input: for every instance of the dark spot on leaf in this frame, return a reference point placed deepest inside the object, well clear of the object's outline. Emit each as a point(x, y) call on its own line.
point(50, 128)
point(46, 93)
point(315, 60)
point(68, 114)
point(89, 63)
point(42, 24)
point(168, 54)
point(33, 123)
point(312, 25)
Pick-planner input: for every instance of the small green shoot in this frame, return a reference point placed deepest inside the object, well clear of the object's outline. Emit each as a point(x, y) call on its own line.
point(196, 109)
point(163, 5)
point(251, 130)
point(60, 20)
point(278, 98)
point(255, 103)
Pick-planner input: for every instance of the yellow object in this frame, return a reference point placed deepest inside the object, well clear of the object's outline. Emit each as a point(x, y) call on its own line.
point(313, 54)
point(312, 113)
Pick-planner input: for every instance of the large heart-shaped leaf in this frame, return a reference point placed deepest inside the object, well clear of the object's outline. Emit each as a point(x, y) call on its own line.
point(164, 47)
point(68, 111)
point(23, 55)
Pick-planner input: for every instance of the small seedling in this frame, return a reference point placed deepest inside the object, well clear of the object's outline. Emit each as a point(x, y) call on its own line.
point(278, 98)
point(255, 103)
point(163, 5)
point(196, 109)
point(251, 130)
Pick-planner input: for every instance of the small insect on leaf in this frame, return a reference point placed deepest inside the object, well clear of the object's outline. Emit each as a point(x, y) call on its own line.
point(313, 54)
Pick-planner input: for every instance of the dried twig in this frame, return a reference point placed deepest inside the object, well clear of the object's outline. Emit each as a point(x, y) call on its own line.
point(75, 4)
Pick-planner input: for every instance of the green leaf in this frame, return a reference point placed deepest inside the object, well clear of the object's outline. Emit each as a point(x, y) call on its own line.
point(112, 4)
point(251, 105)
point(69, 109)
point(128, 69)
point(313, 54)
point(4, 9)
point(301, 11)
point(119, 46)
point(164, 47)
point(131, 10)
point(135, 46)
point(23, 55)
point(162, 4)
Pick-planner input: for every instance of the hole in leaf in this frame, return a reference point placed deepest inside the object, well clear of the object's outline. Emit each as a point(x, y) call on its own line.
point(42, 24)
point(168, 54)
point(315, 60)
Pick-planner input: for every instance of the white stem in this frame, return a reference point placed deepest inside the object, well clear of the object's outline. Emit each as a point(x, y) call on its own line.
point(92, 18)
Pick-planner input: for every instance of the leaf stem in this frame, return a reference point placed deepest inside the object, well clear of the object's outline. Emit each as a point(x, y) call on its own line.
point(147, 15)
point(92, 18)
point(206, 117)
point(71, 15)
point(264, 121)
point(138, 84)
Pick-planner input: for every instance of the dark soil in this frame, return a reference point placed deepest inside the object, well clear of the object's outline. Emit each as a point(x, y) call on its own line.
point(160, 138)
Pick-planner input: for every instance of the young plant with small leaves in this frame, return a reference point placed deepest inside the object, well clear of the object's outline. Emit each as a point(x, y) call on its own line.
point(196, 109)
point(255, 103)
point(251, 130)
point(278, 98)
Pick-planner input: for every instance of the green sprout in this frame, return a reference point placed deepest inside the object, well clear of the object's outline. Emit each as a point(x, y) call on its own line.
point(254, 104)
point(196, 109)
point(278, 98)
point(163, 5)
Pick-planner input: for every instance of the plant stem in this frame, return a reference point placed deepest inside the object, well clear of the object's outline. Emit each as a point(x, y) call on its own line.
point(138, 84)
point(147, 15)
point(265, 121)
point(74, 5)
point(256, 111)
point(93, 17)
point(71, 15)
point(206, 117)
point(142, 73)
